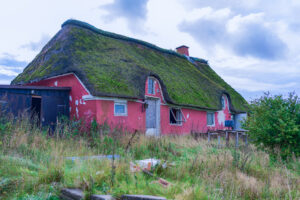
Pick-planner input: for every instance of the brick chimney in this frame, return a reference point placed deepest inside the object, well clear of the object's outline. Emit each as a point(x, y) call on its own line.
point(183, 50)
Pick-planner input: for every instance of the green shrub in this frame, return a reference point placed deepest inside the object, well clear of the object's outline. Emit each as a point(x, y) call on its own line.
point(274, 124)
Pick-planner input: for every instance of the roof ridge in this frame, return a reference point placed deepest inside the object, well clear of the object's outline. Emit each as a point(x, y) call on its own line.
point(126, 38)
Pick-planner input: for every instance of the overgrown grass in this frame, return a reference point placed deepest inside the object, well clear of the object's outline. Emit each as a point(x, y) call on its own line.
point(33, 165)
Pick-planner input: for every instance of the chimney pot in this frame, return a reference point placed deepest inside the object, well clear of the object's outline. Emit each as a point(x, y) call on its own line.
point(183, 50)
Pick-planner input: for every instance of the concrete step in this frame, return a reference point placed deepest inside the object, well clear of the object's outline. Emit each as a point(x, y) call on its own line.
point(141, 197)
point(102, 197)
point(77, 194)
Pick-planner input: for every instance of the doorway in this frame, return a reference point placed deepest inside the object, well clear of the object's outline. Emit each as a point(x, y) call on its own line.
point(36, 107)
point(153, 117)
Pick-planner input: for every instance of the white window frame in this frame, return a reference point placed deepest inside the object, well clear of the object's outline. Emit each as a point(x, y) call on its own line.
point(182, 117)
point(213, 118)
point(123, 103)
point(153, 85)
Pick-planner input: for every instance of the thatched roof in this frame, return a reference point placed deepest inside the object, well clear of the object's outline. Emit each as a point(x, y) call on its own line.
point(117, 66)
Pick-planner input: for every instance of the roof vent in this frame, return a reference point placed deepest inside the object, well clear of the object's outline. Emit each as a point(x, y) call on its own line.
point(183, 50)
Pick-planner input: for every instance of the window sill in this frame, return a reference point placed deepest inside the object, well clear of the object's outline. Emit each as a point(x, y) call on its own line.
point(176, 124)
point(120, 115)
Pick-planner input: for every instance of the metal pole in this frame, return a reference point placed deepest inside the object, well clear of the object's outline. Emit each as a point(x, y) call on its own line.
point(208, 138)
point(219, 141)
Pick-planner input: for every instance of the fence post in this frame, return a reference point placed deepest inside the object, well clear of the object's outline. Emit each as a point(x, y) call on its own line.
point(237, 139)
point(208, 137)
point(227, 138)
point(219, 141)
point(246, 139)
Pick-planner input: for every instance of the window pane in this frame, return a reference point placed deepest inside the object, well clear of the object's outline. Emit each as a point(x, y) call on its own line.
point(172, 119)
point(120, 109)
point(150, 86)
point(223, 102)
point(178, 115)
point(210, 118)
point(175, 116)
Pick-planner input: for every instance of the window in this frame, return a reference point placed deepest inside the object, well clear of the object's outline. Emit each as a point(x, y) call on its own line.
point(210, 119)
point(175, 116)
point(120, 109)
point(151, 89)
point(223, 102)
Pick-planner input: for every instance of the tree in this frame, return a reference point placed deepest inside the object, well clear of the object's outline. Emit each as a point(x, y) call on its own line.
point(274, 124)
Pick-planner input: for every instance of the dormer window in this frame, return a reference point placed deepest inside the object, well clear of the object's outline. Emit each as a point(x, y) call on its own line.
point(151, 89)
point(223, 102)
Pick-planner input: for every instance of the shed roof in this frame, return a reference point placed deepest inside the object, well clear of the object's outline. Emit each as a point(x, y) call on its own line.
point(114, 65)
point(25, 87)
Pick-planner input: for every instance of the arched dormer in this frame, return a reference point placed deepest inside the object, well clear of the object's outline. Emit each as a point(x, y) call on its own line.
point(153, 88)
point(225, 101)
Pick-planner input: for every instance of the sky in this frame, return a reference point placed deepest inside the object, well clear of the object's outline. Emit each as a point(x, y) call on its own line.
point(253, 45)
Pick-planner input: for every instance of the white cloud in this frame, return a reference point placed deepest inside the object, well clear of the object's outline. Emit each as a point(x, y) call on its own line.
point(4, 82)
point(7, 71)
point(254, 86)
point(237, 21)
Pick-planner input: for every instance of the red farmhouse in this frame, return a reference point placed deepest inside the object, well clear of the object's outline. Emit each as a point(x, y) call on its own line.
point(133, 84)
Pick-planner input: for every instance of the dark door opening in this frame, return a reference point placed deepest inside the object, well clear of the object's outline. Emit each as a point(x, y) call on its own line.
point(36, 106)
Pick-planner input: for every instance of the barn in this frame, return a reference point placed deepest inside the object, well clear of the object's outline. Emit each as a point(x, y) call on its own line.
point(133, 84)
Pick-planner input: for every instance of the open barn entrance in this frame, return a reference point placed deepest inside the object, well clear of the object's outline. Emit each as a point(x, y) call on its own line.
point(36, 106)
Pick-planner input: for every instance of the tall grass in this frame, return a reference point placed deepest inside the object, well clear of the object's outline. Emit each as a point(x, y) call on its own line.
point(33, 165)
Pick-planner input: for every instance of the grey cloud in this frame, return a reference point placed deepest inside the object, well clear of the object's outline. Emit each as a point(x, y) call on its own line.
point(257, 41)
point(295, 26)
point(135, 11)
point(10, 61)
point(5, 79)
point(206, 31)
point(274, 10)
point(239, 6)
point(36, 46)
point(252, 39)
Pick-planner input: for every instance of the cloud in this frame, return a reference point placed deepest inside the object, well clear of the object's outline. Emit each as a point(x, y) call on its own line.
point(134, 11)
point(243, 35)
point(295, 26)
point(10, 61)
point(258, 41)
point(10, 66)
point(255, 86)
point(7, 71)
point(37, 46)
point(208, 32)
point(4, 82)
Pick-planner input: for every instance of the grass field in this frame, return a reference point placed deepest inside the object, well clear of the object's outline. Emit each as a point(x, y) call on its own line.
point(33, 166)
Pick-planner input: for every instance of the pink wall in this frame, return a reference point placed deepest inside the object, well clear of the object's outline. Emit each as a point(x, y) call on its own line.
point(102, 109)
point(135, 119)
point(196, 120)
point(78, 107)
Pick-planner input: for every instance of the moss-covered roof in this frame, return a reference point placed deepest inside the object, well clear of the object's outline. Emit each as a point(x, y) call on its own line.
point(117, 66)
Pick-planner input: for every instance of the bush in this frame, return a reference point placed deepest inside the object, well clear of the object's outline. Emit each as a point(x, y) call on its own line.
point(274, 124)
